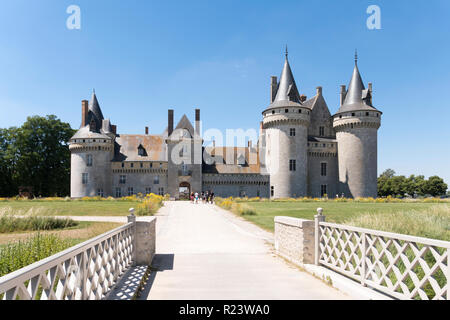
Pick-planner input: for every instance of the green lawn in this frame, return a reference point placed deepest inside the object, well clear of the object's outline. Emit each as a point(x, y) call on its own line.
point(73, 208)
point(338, 212)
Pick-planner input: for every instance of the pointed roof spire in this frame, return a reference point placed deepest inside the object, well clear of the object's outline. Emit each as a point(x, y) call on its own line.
point(95, 111)
point(354, 99)
point(287, 88)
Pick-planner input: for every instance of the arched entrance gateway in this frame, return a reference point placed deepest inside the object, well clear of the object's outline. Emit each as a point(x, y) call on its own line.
point(184, 190)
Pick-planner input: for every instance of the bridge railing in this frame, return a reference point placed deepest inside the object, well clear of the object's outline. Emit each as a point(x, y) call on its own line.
point(87, 271)
point(402, 266)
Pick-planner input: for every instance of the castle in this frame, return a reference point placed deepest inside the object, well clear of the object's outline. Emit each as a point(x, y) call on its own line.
point(302, 150)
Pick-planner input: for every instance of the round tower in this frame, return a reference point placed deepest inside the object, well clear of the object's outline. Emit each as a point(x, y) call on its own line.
point(356, 125)
point(285, 124)
point(92, 149)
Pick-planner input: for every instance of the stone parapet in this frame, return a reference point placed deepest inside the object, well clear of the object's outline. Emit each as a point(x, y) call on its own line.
point(294, 239)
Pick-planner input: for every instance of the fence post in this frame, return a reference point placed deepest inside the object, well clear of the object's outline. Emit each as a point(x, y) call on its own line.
point(363, 259)
point(317, 219)
point(132, 218)
point(448, 273)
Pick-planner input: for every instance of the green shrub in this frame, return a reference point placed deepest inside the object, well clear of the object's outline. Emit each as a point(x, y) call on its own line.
point(11, 223)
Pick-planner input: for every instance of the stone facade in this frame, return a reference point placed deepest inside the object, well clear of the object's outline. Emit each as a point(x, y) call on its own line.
point(302, 150)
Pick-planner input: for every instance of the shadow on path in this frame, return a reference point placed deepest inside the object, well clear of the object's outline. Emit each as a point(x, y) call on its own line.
point(160, 263)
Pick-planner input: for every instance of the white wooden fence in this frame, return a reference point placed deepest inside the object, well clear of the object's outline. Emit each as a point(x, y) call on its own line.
point(87, 271)
point(402, 266)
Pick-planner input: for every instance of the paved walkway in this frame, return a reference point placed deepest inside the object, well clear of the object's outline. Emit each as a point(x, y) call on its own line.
point(204, 252)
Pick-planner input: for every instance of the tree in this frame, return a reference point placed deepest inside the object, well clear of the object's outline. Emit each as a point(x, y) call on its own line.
point(7, 162)
point(37, 155)
point(435, 186)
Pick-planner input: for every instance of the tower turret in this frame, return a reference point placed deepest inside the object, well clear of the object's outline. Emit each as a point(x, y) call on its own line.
point(285, 125)
point(92, 149)
point(356, 124)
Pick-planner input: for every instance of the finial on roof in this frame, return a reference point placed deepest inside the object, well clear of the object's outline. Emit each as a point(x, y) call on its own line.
point(356, 56)
point(93, 91)
point(286, 51)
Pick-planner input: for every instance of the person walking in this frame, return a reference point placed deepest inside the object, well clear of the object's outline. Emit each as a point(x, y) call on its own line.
point(196, 198)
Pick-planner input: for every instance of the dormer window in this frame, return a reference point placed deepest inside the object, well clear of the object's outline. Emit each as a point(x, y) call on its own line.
point(141, 151)
point(322, 131)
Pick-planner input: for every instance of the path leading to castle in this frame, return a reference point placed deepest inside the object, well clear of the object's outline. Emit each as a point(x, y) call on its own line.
point(204, 252)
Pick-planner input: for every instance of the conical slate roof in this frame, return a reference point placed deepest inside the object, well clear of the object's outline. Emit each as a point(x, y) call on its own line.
point(287, 88)
point(95, 112)
point(356, 98)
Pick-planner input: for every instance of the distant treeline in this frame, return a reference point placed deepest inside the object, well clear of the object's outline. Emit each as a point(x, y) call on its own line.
point(415, 186)
point(36, 155)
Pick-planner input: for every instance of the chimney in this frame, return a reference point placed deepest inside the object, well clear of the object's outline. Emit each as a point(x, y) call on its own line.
point(197, 121)
point(370, 87)
point(319, 91)
point(170, 125)
point(84, 112)
point(343, 94)
point(114, 129)
point(273, 88)
point(250, 143)
point(146, 130)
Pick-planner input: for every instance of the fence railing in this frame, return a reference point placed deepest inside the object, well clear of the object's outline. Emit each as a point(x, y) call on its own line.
point(402, 266)
point(84, 272)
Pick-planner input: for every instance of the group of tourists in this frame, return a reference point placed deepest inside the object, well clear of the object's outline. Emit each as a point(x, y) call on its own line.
point(205, 197)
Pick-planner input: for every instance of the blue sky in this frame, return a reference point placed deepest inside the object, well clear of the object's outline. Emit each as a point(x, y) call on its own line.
point(144, 57)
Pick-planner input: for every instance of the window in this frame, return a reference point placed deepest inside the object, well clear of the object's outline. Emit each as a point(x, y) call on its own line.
point(272, 191)
point(151, 165)
point(286, 110)
point(123, 165)
point(299, 110)
point(257, 193)
point(273, 111)
point(100, 192)
point(353, 114)
point(141, 151)
point(323, 169)
point(321, 131)
point(292, 165)
point(123, 179)
point(292, 132)
point(323, 190)
point(367, 114)
point(142, 165)
point(148, 190)
point(118, 193)
point(131, 165)
point(89, 160)
point(161, 191)
point(160, 165)
point(156, 180)
point(130, 191)
point(84, 178)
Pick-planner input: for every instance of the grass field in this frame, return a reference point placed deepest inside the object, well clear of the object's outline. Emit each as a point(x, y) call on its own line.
point(420, 219)
point(73, 208)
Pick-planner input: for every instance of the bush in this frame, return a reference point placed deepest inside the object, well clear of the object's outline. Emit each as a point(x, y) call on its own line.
point(149, 205)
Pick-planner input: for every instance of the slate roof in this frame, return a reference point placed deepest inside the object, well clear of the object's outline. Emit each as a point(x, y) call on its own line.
point(242, 160)
point(127, 147)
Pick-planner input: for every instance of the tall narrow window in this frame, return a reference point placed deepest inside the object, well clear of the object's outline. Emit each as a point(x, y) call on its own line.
point(123, 179)
point(130, 191)
point(321, 131)
point(161, 191)
point(89, 160)
point(323, 169)
point(148, 190)
point(292, 165)
point(84, 178)
point(156, 180)
point(100, 193)
point(323, 190)
point(272, 191)
point(292, 132)
point(118, 193)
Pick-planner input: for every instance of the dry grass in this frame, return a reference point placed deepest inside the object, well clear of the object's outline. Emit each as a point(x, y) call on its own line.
point(84, 231)
point(433, 222)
